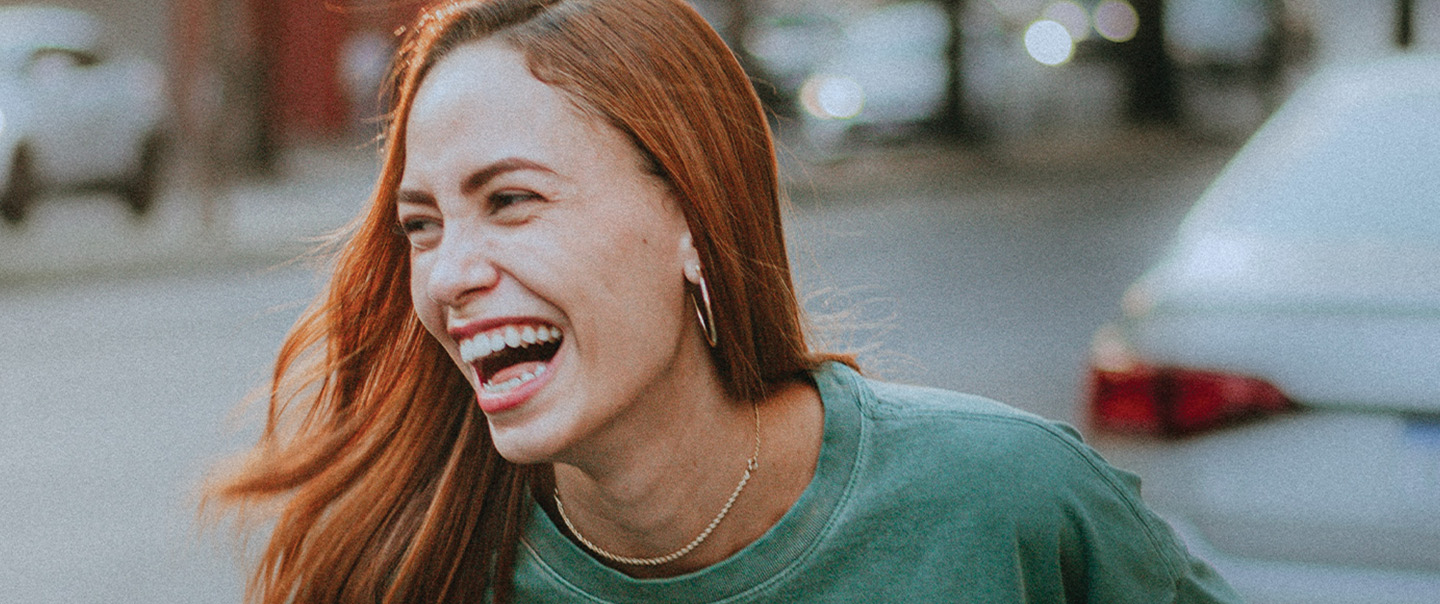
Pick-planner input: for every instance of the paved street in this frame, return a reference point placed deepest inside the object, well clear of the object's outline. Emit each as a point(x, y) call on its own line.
point(990, 279)
point(115, 399)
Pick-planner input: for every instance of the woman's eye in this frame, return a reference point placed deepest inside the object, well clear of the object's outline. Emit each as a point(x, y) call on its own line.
point(504, 199)
point(422, 233)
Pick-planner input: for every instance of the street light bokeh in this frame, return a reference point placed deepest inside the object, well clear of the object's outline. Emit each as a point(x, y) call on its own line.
point(1116, 21)
point(1049, 42)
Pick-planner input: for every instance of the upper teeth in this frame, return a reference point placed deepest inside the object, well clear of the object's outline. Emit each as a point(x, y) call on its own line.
point(483, 345)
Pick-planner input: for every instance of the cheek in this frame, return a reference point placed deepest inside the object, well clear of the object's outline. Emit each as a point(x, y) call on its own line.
point(641, 284)
point(429, 312)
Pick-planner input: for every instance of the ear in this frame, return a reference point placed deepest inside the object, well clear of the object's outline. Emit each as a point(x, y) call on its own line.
point(690, 258)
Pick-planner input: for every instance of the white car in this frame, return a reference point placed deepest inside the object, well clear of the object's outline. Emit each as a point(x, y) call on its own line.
point(1275, 378)
point(72, 118)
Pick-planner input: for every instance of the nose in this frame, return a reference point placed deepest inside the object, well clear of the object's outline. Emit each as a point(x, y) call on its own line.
point(462, 267)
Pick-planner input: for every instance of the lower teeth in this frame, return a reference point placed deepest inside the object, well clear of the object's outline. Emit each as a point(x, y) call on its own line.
point(512, 383)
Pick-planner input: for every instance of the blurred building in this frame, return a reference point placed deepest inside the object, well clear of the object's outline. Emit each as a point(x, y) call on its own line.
point(289, 69)
point(260, 72)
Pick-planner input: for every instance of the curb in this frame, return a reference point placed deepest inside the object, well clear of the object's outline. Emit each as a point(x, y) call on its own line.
point(1074, 156)
point(252, 222)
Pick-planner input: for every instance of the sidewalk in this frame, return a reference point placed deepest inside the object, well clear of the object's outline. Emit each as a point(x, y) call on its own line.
point(321, 188)
point(318, 189)
point(1075, 156)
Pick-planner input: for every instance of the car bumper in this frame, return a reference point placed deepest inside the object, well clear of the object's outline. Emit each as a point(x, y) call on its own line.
point(1313, 506)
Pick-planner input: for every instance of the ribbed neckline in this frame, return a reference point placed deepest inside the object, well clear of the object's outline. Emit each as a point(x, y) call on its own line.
point(770, 558)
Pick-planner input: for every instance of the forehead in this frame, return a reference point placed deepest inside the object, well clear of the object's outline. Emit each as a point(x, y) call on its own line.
point(480, 102)
point(486, 71)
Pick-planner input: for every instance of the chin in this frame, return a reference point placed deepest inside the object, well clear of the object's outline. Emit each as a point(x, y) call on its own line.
point(523, 444)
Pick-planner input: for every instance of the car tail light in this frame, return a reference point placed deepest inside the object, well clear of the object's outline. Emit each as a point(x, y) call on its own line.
point(1176, 401)
point(1127, 394)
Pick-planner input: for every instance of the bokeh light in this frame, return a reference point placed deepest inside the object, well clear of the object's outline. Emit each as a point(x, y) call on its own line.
point(1072, 16)
point(1116, 20)
point(832, 97)
point(1049, 42)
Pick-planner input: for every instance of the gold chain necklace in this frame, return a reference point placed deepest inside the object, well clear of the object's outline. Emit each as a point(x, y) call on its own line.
point(750, 466)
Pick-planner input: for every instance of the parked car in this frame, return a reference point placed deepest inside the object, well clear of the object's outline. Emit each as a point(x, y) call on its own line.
point(71, 116)
point(1276, 376)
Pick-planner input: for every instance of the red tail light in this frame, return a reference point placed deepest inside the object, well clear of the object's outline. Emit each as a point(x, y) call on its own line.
point(1174, 401)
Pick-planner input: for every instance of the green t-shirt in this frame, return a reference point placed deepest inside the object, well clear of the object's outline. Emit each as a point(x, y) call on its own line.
point(922, 495)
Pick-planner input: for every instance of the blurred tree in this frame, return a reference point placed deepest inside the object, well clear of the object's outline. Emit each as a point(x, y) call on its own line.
point(1153, 96)
point(955, 121)
point(1284, 44)
point(258, 70)
point(1404, 23)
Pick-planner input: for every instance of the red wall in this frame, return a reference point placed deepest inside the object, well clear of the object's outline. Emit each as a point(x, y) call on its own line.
point(299, 41)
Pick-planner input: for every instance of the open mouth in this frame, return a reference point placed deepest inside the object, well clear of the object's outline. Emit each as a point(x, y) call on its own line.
point(511, 356)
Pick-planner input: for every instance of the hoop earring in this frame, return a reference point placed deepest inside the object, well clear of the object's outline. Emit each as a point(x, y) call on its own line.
point(707, 318)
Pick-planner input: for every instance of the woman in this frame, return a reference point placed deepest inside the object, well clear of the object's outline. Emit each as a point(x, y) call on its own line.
point(578, 370)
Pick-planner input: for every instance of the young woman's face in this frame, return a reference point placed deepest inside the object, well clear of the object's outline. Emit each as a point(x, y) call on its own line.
point(544, 257)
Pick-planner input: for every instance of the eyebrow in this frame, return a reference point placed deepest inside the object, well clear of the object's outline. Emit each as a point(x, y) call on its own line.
point(476, 179)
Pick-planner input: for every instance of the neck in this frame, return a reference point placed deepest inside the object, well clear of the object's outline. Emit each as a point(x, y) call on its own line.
point(653, 495)
point(657, 495)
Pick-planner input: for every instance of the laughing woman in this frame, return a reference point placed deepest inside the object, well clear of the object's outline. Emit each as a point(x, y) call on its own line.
point(561, 359)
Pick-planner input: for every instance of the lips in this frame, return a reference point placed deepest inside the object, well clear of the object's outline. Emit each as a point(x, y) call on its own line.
point(512, 360)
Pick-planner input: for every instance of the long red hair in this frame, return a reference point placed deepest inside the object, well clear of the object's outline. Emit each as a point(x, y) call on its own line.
point(390, 488)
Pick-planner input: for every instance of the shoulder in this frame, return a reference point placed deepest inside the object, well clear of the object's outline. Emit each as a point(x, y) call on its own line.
point(1020, 469)
point(977, 429)
point(891, 402)
point(1003, 482)
point(1003, 464)
point(948, 438)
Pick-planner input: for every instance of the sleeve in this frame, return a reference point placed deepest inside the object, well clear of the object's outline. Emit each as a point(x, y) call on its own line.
point(1101, 539)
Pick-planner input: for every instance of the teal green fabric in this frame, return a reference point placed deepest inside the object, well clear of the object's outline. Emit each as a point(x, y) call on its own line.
point(922, 495)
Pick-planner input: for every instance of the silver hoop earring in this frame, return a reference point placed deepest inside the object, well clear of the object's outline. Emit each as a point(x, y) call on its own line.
point(707, 318)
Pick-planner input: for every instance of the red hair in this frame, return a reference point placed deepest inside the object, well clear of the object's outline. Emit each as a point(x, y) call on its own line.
point(391, 488)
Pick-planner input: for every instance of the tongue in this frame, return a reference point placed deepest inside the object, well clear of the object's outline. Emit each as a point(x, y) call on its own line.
point(515, 371)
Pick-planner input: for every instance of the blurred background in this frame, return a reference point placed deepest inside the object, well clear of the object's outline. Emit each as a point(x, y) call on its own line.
point(974, 184)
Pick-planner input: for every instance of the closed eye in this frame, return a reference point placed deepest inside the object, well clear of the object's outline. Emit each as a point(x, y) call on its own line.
point(423, 233)
point(406, 227)
point(500, 200)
